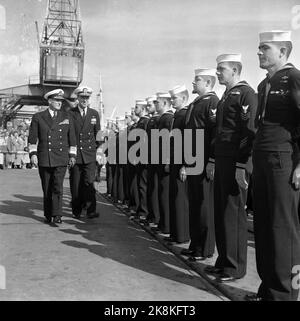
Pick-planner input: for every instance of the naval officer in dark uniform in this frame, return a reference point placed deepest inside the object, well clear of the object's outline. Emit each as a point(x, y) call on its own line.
point(82, 175)
point(233, 146)
point(201, 114)
point(276, 171)
point(52, 146)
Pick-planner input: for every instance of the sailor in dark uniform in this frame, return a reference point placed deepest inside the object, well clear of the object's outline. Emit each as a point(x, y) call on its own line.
point(233, 146)
point(153, 204)
point(108, 165)
point(82, 175)
point(52, 146)
point(178, 199)
point(126, 175)
point(276, 171)
point(115, 160)
point(134, 199)
point(201, 114)
point(164, 108)
point(142, 178)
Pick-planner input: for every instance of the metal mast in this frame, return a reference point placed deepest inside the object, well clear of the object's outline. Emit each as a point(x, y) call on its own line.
point(101, 105)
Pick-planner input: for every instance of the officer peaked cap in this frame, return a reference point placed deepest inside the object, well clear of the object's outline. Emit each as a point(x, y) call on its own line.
point(55, 94)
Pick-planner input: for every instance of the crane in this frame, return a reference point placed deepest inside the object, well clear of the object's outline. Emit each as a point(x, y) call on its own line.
point(61, 60)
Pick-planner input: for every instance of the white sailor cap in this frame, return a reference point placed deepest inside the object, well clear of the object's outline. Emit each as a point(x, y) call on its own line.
point(55, 94)
point(275, 35)
point(151, 98)
point(163, 95)
point(205, 72)
point(141, 102)
point(229, 58)
point(177, 90)
point(83, 91)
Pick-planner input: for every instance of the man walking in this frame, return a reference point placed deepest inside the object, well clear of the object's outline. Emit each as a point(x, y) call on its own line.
point(52, 146)
point(82, 175)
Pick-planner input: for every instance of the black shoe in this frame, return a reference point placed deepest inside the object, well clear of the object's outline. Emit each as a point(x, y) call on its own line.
point(155, 229)
point(213, 270)
point(76, 216)
point(142, 219)
point(253, 297)
point(224, 277)
point(57, 220)
point(195, 258)
point(92, 215)
point(169, 239)
point(48, 220)
point(187, 252)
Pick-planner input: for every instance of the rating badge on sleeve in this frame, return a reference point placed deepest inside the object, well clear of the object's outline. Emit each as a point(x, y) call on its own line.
point(245, 114)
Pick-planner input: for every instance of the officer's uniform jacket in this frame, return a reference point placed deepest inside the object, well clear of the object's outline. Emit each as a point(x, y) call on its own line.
point(278, 114)
point(52, 140)
point(86, 133)
point(201, 114)
point(235, 123)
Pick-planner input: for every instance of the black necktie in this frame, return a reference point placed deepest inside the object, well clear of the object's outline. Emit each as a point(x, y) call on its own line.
point(83, 114)
point(265, 100)
point(54, 115)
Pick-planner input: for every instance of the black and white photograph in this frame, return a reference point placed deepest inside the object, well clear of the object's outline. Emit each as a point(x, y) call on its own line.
point(149, 153)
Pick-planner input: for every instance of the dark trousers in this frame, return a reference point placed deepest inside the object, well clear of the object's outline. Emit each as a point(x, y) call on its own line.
point(230, 219)
point(120, 178)
point(114, 192)
point(134, 199)
point(52, 179)
point(201, 211)
point(82, 178)
point(163, 198)
point(276, 224)
point(179, 207)
point(126, 181)
point(152, 193)
point(142, 188)
point(109, 178)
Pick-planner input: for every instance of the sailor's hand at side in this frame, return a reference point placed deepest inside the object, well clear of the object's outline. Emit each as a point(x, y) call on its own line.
point(72, 162)
point(210, 171)
point(182, 174)
point(296, 177)
point(34, 160)
point(240, 176)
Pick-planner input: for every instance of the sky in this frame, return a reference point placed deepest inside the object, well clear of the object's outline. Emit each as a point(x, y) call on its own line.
point(141, 47)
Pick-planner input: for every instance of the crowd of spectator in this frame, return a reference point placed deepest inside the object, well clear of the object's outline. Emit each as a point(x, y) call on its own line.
point(13, 147)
